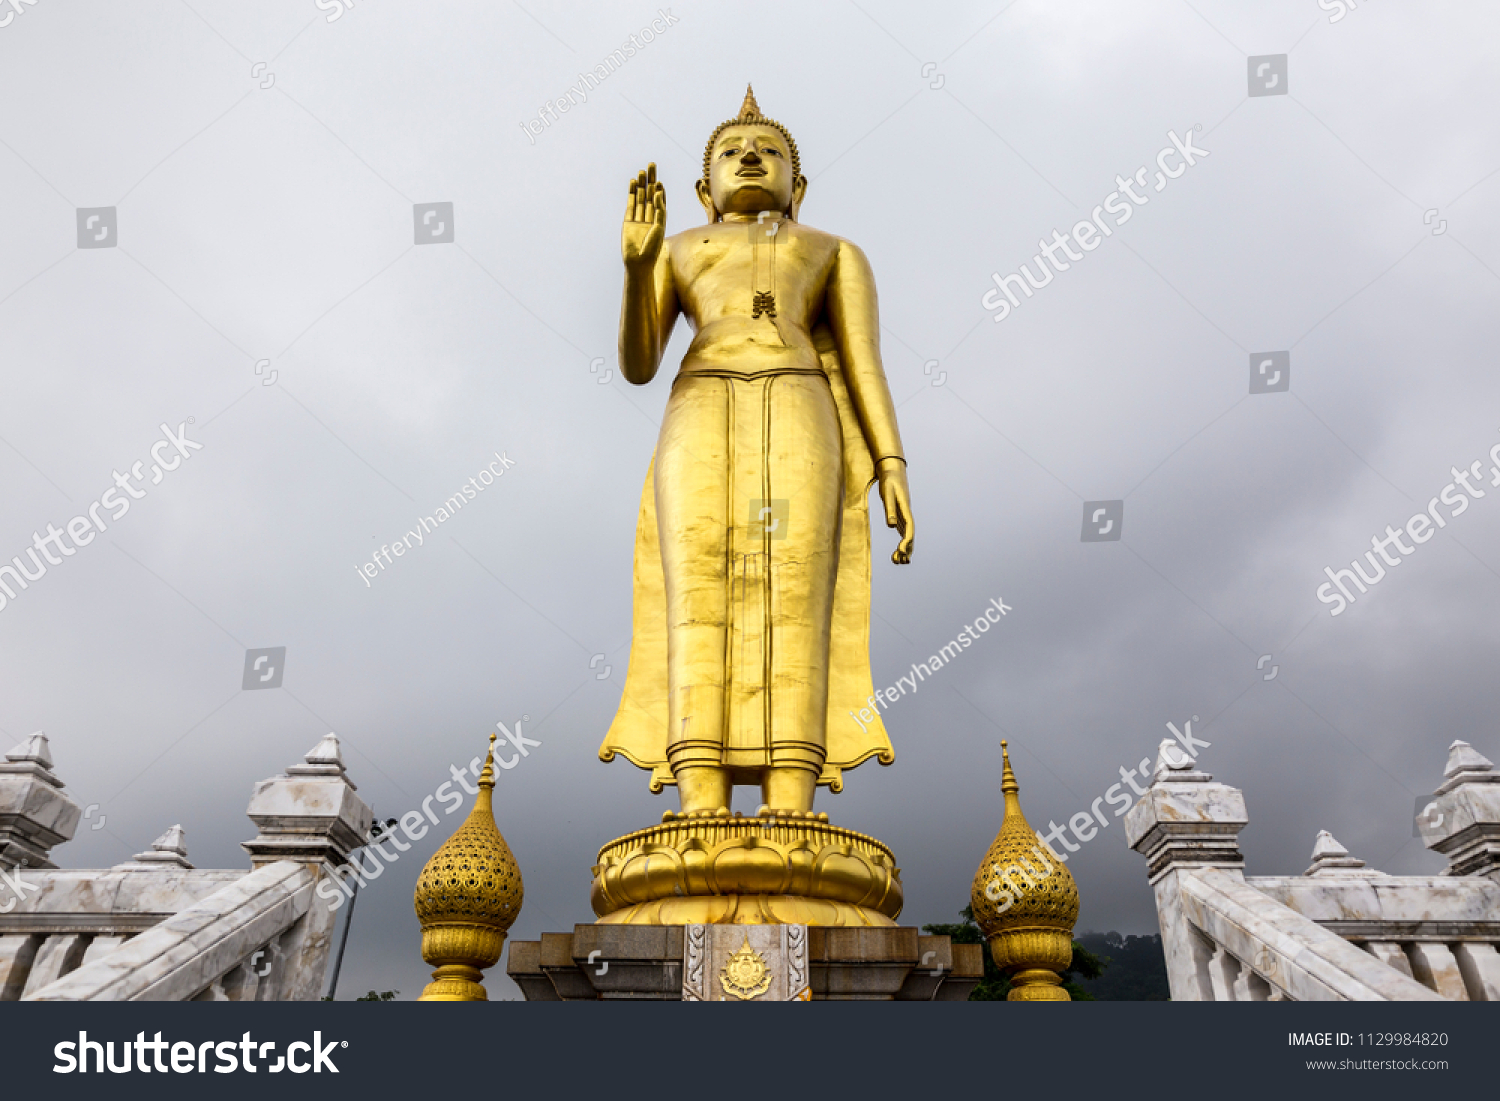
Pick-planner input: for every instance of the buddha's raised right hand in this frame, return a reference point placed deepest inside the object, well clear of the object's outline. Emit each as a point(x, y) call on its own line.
point(645, 220)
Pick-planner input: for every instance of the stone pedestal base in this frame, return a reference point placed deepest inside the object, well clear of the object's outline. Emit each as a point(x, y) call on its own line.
point(649, 962)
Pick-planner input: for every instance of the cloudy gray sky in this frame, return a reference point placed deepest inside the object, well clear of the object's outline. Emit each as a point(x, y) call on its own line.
point(266, 214)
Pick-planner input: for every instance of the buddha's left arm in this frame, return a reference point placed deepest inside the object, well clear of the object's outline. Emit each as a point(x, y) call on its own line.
point(854, 316)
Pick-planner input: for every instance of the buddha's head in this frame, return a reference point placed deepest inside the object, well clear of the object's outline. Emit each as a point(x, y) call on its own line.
point(751, 165)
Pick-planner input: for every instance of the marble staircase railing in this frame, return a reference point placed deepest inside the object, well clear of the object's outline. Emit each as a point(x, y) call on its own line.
point(1442, 931)
point(157, 928)
point(1252, 948)
point(1340, 931)
point(249, 940)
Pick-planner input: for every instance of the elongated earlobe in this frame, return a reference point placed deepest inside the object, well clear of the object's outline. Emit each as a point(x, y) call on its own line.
point(799, 190)
point(705, 196)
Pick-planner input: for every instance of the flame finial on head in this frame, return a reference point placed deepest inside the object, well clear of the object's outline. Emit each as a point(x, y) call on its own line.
point(749, 110)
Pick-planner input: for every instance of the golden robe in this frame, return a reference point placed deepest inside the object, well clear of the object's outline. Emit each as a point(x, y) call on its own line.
point(640, 731)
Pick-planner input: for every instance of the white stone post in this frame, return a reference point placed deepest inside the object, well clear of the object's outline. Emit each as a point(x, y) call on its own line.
point(1184, 822)
point(309, 815)
point(35, 815)
point(1463, 820)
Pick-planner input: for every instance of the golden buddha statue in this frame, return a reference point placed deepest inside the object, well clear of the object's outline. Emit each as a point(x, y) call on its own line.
point(752, 561)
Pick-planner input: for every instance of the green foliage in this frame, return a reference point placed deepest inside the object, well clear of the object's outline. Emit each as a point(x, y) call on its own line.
point(1138, 968)
point(995, 986)
point(383, 996)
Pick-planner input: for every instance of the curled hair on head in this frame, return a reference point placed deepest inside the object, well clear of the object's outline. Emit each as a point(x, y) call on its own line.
point(750, 112)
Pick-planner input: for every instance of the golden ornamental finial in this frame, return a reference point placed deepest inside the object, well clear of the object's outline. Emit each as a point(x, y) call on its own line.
point(467, 897)
point(1025, 902)
point(487, 776)
point(1008, 783)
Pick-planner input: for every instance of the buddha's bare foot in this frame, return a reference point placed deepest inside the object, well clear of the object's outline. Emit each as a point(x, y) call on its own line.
point(703, 790)
point(789, 789)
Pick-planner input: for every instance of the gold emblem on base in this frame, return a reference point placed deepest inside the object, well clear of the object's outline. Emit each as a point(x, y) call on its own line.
point(745, 974)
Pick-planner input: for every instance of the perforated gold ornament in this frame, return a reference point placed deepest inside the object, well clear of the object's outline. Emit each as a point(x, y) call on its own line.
point(473, 877)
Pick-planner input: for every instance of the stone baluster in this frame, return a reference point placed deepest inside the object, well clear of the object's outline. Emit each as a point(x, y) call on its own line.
point(1391, 954)
point(1257, 989)
point(59, 955)
point(1434, 966)
point(1224, 974)
point(17, 953)
point(1479, 964)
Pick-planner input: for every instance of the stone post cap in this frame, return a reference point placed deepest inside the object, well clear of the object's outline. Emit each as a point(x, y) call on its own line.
point(1466, 765)
point(1184, 800)
point(1185, 817)
point(1327, 845)
point(33, 756)
point(167, 851)
point(34, 748)
point(35, 814)
point(1463, 819)
point(173, 841)
point(323, 759)
point(310, 813)
point(1173, 763)
point(1331, 858)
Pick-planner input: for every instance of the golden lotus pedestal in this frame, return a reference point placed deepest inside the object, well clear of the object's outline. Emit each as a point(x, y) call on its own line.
point(689, 910)
point(771, 869)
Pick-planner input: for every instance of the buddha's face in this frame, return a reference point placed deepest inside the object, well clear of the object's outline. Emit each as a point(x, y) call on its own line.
point(751, 171)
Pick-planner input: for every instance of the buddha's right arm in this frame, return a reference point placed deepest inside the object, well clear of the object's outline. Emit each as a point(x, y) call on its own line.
point(647, 313)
